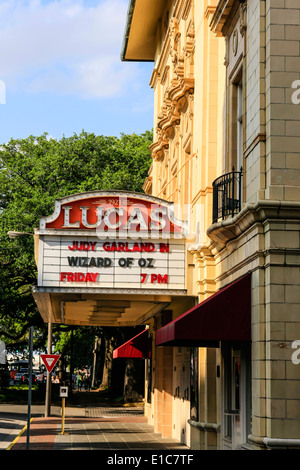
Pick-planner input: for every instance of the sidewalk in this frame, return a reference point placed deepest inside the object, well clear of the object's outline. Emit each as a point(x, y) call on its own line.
point(102, 427)
point(9, 430)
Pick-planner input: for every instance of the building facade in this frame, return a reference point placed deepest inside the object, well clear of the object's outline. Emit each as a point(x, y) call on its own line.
point(224, 374)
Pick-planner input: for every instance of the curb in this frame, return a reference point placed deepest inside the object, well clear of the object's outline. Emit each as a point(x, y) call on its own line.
point(18, 436)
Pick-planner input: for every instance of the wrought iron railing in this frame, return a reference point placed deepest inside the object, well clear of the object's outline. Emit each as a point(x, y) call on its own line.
point(227, 195)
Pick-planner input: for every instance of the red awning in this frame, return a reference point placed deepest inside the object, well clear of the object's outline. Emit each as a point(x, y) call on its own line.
point(225, 316)
point(137, 347)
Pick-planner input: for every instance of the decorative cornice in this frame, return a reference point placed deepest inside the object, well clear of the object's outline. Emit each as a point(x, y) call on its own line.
point(174, 73)
point(201, 250)
point(222, 13)
point(173, 104)
point(209, 11)
point(221, 233)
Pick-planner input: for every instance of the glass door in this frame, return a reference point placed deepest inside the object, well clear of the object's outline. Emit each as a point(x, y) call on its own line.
point(236, 408)
point(237, 397)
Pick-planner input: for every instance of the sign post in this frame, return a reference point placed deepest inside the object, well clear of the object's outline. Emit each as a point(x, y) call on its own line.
point(49, 361)
point(48, 381)
point(2, 353)
point(63, 392)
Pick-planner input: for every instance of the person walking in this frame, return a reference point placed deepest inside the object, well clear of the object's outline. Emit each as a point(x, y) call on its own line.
point(87, 383)
point(78, 381)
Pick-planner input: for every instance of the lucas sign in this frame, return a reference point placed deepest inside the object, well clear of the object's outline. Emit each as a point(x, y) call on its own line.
point(112, 241)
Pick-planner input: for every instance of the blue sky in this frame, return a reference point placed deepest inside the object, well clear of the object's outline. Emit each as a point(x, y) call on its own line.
point(61, 72)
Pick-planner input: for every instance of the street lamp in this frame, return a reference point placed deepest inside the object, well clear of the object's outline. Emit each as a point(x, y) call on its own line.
point(13, 234)
point(29, 386)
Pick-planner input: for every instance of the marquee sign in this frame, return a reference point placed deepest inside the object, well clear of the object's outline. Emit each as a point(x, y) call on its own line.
point(112, 241)
point(120, 213)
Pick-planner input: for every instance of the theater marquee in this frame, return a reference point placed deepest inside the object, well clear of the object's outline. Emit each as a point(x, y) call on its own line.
point(112, 242)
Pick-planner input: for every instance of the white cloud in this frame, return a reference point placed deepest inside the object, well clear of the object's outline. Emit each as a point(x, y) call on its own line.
point(64, 46)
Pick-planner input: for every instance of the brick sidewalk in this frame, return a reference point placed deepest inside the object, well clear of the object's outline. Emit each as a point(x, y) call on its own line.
point(42, 435)
point(130, 432)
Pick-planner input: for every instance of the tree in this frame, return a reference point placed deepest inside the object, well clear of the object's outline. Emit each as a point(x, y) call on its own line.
point(33, 173)
point(123, 377)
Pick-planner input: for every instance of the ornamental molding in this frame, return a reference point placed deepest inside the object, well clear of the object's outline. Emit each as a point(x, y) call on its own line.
point(174, 74)
point(264, 211)
point(224, 13)
point(147, 186)
point(243, 18)
point(175, 100)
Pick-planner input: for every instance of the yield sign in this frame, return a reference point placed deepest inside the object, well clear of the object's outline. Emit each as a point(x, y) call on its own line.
point(50, 360)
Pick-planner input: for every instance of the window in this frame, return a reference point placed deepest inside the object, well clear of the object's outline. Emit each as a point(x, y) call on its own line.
point(235, 122)
point(194, 384)
point(239, 122)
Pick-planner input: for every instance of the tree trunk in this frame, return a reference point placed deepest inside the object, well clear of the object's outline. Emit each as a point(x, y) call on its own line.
point(99, 351)
point(134, 380)
point(107, 358)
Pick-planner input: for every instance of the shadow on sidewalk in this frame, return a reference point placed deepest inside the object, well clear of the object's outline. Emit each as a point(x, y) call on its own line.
point(98, 398)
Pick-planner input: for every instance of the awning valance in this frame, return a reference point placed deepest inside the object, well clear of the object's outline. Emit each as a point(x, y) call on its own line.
point(225, 316)
point(137, 347)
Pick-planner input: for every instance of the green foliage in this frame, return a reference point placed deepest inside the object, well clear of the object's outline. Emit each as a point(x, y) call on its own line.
point(33, 173)
point(83, 343)
point(19, 394)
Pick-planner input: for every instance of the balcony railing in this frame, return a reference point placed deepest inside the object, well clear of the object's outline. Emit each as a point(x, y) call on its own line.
point(227, 195)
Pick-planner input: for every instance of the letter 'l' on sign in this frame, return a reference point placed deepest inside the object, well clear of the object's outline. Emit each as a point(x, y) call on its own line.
point(50, 360)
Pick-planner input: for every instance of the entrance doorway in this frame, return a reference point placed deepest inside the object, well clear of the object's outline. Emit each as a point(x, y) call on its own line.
point(236, 396)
